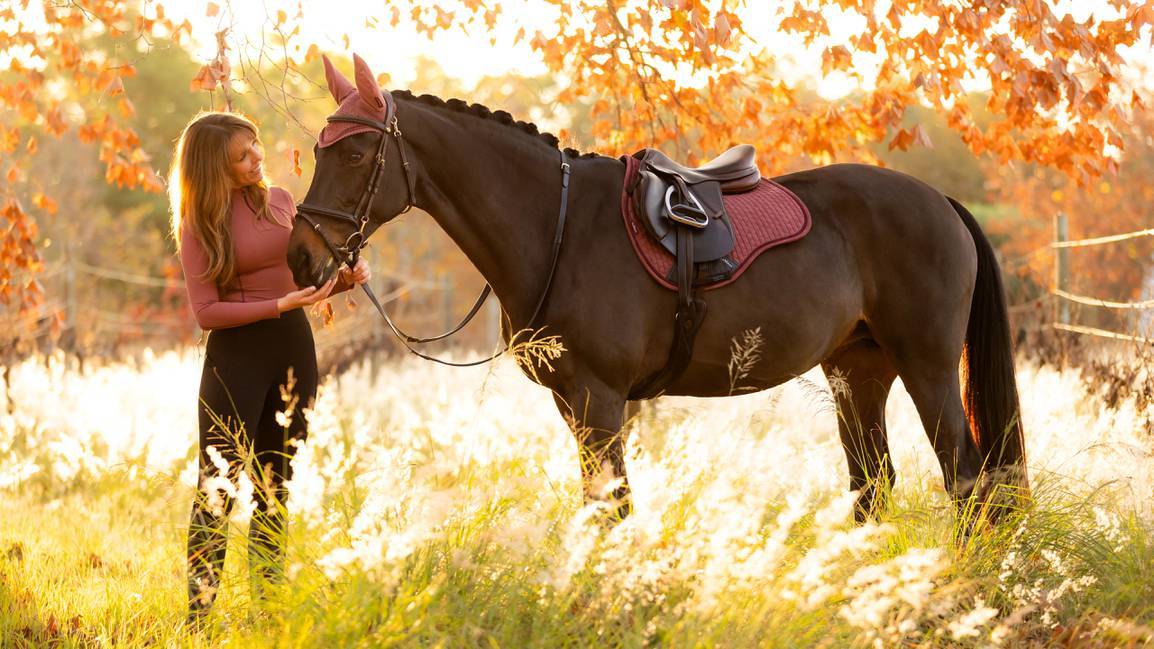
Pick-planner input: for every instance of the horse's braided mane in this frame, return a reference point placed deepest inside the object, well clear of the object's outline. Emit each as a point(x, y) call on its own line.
point(461, 106)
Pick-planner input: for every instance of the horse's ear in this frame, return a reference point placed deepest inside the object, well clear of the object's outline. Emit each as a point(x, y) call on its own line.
point(367, 86)
point(339, 86)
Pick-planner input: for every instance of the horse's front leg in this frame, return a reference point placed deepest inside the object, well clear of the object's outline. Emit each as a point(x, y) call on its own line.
point(594, 414)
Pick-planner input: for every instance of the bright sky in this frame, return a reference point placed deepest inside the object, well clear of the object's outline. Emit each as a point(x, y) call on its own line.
point(467, 57)
point(471, 56)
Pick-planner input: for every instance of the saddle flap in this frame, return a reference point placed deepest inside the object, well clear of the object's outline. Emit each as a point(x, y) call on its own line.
point(651, 198)
point(714, 241)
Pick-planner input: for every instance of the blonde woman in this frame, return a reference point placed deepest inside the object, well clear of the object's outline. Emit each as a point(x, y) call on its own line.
point(232, 232)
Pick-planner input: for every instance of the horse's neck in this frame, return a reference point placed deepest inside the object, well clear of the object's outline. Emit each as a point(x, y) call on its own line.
point(497, 195)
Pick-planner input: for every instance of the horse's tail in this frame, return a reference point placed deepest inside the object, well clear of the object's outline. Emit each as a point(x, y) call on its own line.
point(991, 390)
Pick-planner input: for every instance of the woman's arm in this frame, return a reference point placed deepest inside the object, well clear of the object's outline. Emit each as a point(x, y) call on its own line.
point(204, 298)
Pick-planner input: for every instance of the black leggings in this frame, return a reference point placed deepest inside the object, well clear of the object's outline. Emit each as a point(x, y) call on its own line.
point(243, 386)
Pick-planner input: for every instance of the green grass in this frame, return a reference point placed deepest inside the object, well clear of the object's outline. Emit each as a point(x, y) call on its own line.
point(103, 566)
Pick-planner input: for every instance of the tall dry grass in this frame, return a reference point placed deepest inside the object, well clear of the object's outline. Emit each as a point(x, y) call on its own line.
point(433, 506)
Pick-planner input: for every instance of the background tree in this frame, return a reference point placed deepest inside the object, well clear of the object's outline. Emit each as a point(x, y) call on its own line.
point(685, 75)
point(690, 74)
point(66, 70)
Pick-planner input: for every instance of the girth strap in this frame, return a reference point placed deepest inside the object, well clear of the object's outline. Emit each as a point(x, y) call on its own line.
point(687, 321)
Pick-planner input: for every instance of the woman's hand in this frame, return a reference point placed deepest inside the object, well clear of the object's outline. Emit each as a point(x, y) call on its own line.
point(306, 296)
point(359, 274)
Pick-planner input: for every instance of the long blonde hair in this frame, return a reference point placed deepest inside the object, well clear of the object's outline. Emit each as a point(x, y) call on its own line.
point(200, 189)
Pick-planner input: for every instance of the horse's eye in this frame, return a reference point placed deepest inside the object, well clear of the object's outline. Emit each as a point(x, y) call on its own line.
point(356, 157)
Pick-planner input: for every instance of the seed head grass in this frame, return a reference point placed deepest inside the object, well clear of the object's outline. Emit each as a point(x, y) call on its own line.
point(443, 507)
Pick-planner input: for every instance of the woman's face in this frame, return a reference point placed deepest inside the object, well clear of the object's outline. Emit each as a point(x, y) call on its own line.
point(245, 155)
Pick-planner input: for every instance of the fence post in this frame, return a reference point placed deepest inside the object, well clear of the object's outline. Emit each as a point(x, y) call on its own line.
point(70, 336)
point(1061, 268)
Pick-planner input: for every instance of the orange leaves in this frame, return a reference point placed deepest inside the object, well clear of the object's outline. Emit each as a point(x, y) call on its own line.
point(126, 108)
point(206, 79)
point(115, 86)
point(836, 58)
point(295, 156)
point(722, 29)
point(9, 139)
point(43, 202)
point(18, 252)
point(325, 310)
point(54, 121)
point(802, 21)
point(907, 137)
point(751, 109)
point(217, 72)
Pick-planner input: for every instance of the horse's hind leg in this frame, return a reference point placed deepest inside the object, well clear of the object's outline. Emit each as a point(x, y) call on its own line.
point(860, 376)
point(595, 417)
point(936, 393)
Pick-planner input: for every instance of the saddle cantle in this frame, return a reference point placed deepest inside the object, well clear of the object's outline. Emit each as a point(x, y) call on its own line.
point(701, 228)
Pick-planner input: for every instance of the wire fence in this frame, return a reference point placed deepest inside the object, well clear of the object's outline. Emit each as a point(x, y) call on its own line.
point(1063, 297)
point(425, 301)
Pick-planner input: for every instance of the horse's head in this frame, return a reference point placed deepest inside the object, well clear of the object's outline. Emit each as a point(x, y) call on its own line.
point(358, 183)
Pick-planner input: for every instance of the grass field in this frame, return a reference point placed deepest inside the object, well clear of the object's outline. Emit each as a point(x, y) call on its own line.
point(441, 507)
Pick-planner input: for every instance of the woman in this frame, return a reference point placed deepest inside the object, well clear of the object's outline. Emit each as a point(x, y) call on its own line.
point(232, 232)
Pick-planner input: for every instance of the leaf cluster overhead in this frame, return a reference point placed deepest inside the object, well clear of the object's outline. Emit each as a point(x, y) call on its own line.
point(690, 74)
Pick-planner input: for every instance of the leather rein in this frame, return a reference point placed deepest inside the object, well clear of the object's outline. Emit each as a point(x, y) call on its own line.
point(349, 252)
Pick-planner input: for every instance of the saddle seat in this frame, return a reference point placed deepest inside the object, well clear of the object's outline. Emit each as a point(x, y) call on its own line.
point(735, 170)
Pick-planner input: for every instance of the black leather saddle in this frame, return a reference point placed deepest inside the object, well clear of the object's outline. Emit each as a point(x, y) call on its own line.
point(668, 195)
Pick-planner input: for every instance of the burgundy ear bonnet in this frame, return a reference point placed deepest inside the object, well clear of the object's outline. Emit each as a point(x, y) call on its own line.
point(364, 100)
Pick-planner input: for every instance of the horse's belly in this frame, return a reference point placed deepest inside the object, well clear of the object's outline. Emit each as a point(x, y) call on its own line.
point(784, 316)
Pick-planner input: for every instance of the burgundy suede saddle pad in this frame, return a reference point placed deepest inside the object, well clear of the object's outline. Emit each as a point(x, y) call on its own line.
point(766, 216)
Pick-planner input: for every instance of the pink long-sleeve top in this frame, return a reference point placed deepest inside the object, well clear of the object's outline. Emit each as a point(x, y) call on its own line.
point(262, 272)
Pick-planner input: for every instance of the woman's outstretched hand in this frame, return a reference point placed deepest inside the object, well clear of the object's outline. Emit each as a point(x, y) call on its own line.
point(306, 296)
point(359, 274)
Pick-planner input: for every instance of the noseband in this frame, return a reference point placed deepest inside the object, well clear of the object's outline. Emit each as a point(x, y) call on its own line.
point(349, 253)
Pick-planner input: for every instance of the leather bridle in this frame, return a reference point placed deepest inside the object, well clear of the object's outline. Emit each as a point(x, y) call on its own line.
point(349, 253)
point(359, 217)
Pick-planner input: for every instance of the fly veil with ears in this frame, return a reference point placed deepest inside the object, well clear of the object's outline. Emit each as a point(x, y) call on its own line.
point(361, 108)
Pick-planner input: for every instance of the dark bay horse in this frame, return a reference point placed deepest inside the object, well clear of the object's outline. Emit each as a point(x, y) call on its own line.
point(894, 279)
